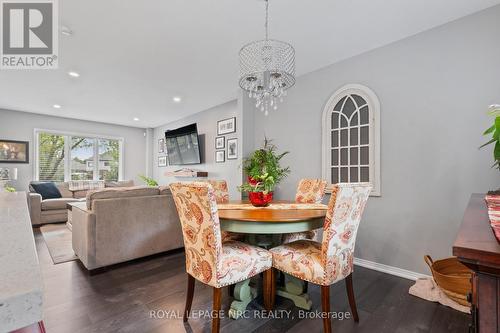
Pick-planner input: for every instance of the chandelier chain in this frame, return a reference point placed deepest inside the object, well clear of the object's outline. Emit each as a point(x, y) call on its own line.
point(267, 69)
point(267, 20)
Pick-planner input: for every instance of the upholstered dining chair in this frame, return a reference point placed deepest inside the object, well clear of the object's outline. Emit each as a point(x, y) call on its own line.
point(308, 191)
point(208, 260)
point(222, 196)
point(331, 260)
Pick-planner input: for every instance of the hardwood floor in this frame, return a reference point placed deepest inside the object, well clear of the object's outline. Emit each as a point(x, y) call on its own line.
point(121, 300)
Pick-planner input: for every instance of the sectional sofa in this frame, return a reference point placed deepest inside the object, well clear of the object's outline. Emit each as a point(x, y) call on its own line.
point(120, 224)
point(54, 210)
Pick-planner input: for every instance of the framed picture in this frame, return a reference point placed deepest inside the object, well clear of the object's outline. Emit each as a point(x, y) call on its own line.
point(4, 174)
point(220, 142)
point(220, 156)
point(226, 126)
point(14, 151)
point(232, 149)
point(162, 161)
point(161, 145)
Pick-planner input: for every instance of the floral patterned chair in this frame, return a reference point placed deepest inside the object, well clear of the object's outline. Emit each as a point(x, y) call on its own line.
point(208, 260)
point(332, 260)
point(222, 196)
point(308, 191)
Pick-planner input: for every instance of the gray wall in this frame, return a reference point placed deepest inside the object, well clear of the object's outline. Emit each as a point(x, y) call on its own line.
point(434, 89)
point(16, 125)
point(207, 129)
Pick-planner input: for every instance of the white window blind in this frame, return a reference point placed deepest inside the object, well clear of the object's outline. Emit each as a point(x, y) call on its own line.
point(51, 157)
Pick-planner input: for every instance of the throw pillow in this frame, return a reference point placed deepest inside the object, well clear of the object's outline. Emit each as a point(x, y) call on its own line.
point(47, 190)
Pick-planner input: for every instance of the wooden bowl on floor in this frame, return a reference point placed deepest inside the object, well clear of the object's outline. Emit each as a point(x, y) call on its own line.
point(452, 277)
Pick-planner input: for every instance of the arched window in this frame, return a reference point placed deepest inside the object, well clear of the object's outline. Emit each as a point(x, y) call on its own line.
point(351, 137)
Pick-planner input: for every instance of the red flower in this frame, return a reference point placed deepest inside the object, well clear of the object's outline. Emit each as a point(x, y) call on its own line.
point(252, 181)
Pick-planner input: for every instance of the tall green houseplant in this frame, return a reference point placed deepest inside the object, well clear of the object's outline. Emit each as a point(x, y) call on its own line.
point(494, 131)
point(263, 169)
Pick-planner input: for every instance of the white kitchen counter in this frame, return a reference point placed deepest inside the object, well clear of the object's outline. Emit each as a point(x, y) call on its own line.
point(21, 287)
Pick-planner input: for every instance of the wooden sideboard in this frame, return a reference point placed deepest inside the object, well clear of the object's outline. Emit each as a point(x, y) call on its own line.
point(477, 248)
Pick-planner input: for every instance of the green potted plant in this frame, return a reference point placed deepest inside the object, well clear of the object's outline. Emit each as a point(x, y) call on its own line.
point(264, 172)
point(494, 131)
point(149, 181)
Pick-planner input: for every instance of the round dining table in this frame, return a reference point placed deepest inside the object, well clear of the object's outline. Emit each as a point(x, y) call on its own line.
point(262, 227)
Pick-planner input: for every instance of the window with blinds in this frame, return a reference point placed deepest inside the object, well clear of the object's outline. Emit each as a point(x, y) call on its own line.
point(51, 157)
point(351, 137)
point(63, 157)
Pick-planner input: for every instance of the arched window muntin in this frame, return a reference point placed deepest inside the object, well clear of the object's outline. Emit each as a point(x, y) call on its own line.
point(351, 137)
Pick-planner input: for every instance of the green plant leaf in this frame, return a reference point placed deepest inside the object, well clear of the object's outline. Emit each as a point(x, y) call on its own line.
point(487, 143)
point(496, 151)
point(489, 130)
point(497, 123)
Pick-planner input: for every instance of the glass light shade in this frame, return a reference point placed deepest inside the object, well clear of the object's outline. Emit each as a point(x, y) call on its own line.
point(267, 70)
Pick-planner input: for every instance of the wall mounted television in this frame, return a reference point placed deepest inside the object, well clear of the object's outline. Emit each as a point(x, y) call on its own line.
point(183, 146)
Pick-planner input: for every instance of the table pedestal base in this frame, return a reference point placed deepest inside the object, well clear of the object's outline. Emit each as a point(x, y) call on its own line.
point(294, 290)
point(243, 295)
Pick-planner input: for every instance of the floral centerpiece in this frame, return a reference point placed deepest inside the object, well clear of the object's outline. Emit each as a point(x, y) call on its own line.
point(264, 172)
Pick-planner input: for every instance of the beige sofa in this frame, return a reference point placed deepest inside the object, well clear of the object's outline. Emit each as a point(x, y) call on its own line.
point(54, 210)
point(121, 224)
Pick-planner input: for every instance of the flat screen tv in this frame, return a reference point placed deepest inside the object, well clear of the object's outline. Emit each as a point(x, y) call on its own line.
point(183, 145)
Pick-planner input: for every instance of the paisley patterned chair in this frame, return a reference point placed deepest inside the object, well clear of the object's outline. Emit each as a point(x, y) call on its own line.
point(308, 191)
point(222, 196)
point(331, 260)
point(208, 260)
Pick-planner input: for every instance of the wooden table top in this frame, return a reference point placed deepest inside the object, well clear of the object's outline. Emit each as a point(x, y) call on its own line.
point(475, 242)
point(271, 215)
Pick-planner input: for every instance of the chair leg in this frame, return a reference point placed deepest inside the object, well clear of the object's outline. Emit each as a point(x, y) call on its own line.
point(216, 310)
point(350, 295)
point(273, 286)
point(268, 289)
point(281, 278)
point(189, 297)
point(325, 307)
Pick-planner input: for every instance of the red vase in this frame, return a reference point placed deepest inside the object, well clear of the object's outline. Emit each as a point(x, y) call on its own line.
point(259, 199)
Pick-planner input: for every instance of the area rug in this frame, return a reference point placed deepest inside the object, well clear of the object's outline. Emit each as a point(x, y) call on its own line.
point(58, 240)
point(427, 289)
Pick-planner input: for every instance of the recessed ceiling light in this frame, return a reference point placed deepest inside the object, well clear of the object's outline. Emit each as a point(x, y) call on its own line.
point(136, 119)
point(73, 74)
point(177, 99)
point(56, 106)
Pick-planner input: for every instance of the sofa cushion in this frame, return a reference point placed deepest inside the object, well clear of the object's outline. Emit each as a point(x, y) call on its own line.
point(48, 190)
point(120, 183)
point(80, 194)
point(120, 192)
point(64, 189)
point(60, 203)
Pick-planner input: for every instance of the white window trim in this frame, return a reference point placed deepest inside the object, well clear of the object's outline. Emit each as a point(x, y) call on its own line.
point(67, 165)
point(374, 151)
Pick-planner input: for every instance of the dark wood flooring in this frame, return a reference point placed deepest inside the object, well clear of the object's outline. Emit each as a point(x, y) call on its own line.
point(121, 300)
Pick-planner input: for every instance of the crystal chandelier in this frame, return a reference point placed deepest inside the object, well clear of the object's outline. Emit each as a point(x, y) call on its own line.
point(267, 70)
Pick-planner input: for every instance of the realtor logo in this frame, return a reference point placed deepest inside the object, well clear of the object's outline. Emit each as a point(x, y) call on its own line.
point(29, 38)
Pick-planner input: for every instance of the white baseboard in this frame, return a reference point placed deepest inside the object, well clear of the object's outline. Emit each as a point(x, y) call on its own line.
point(389, 269)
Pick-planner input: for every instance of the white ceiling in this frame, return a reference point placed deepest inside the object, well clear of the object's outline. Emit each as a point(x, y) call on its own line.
point(134, 56)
